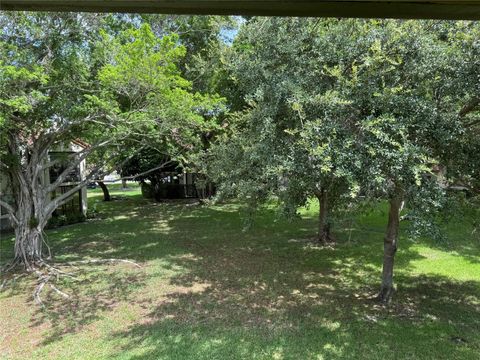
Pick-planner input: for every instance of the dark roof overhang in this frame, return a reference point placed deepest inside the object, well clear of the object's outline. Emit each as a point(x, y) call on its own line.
point(402, 9)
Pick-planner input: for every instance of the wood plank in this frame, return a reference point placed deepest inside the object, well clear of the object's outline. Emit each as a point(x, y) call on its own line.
point(417, 9)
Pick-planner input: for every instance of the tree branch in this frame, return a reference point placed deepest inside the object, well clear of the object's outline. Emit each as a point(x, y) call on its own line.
point(7, 206)
point(133, 177)
point(473, 123)
point(80, 156)
point(59, 201)
point(10, 210)
point(470, 106)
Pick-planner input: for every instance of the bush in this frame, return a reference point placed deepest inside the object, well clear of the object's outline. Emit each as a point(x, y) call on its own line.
point(148, 191)
point(92, 212)
point(61, 220)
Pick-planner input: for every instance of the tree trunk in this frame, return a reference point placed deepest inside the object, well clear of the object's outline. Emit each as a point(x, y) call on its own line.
point(34, 195)
point(28, 244)
point(106, 193)
point(324, 234)
point(124, 184)
point(390, 247)
point(31, 221)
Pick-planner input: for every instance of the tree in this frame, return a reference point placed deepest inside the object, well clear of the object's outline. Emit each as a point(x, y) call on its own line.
point(60, 83)
point(460, 103)
point(204, 37)
point(178, 120)
point(44, 75)
point(408, 71)
point(358, 105)
point(205, 66)
point(296, 131)
point(148, 165)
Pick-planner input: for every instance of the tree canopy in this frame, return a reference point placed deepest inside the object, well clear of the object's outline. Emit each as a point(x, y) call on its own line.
point(350, 108)
point(114, 90)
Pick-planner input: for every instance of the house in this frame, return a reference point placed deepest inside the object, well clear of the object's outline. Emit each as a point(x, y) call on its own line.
point(172, 182)
point(76, 205)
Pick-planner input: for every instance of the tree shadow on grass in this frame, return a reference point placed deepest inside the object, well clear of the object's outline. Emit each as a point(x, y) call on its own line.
point(99, 291)
point(249, 309)
point(265, 294)
point(268, 292)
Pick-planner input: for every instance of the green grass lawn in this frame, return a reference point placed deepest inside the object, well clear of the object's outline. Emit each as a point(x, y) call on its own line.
point(207, 290)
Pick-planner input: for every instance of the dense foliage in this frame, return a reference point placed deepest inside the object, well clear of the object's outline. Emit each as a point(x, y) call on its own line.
point(116, 88)
point(348, 109)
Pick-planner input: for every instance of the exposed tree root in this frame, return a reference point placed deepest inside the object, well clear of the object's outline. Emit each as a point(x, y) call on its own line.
point(385, 295)
point(42, 281)
point(7, 280)
point(59, 292)
point(101, 261)
point(10, 266)
point(57, 272)
point(326, 240)
point(47, 274)
point(44, 278)
point(4, 282)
